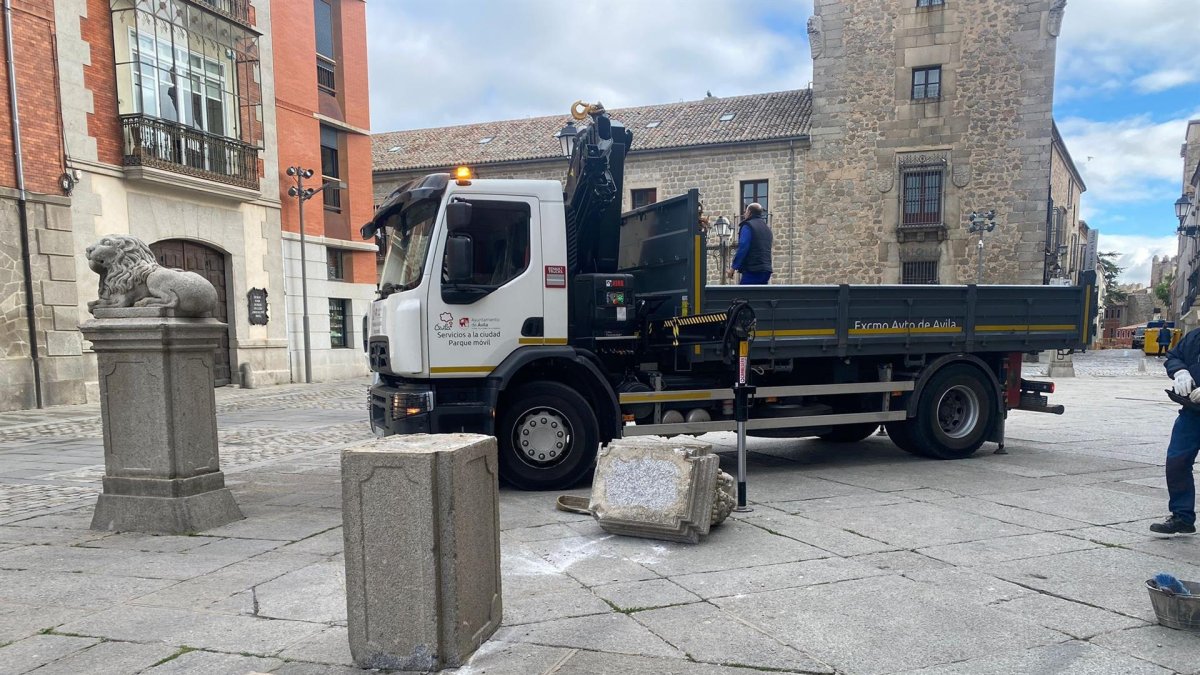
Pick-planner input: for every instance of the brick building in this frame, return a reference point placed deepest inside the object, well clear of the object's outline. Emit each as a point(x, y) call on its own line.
point(919, 114)
point(322, 120)
point(158, 119)
point(41, 354)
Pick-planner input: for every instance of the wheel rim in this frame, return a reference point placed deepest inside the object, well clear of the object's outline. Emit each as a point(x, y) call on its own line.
point(542, 437)
point(958, 411)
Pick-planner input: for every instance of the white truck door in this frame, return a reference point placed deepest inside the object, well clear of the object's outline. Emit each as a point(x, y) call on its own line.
point(477, 325)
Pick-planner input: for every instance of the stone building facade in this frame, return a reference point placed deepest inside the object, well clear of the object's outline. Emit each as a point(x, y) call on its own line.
point(917, 117)
point(1186, 285)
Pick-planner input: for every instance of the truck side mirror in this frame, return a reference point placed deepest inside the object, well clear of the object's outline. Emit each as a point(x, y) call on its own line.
point(460, 258)
point(458, 215)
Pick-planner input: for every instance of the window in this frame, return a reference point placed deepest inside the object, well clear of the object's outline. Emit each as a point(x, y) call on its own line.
point(754, 191)
point(644, 197)
point(326, 56)
point(339, 328)
point(330, 168)
point(926, 83)
point(922, 196)
point(930, 3)
point(336, 261)
point(728, 117)
point(920, 272)
point(499, 234)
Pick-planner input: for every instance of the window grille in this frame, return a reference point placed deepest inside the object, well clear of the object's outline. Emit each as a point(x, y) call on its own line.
point(919, 272)
point(922, 196)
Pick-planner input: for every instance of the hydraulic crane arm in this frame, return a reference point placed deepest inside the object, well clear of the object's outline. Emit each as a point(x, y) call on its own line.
point(592, 198)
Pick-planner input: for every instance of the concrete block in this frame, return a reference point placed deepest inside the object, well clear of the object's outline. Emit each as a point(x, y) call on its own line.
point(655, 489)
point(422, 549)
point(63, 343)
point(62, 268)
point(64, 293)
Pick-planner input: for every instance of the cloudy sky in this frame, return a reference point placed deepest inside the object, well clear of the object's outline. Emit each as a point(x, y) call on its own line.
point(1128, 79)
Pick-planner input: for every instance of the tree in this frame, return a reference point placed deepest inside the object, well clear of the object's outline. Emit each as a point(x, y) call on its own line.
point(1110, 270)
point(1163, 290)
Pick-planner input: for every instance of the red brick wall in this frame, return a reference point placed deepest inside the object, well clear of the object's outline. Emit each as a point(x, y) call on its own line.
point(100, 78)
point(37, 93)
point(298, 131)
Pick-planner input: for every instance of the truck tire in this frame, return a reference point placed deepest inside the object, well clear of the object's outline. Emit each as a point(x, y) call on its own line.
point(849, 433)
point(547, 436)
point(955, 414)
point(901, 435)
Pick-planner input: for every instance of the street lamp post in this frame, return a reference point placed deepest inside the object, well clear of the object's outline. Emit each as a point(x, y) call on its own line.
point(724, 231)
point(981, 223)
point(303, 194)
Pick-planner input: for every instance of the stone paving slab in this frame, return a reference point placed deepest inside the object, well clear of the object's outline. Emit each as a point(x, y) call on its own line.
point(1070, 658)
point(993, 564)
point(707, 634)
point(109, 658)
point(856, 625)
point(1169, 648)
point(209, 663)
point(36, 651)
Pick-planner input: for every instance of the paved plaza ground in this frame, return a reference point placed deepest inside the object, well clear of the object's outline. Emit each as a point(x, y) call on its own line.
point(856, 558)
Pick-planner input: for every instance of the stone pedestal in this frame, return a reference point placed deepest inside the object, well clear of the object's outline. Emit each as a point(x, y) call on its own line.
point(1060, 366)
point(421, 521)
point(161, 468)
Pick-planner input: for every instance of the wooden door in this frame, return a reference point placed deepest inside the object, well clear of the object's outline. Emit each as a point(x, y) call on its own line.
point(210, 264)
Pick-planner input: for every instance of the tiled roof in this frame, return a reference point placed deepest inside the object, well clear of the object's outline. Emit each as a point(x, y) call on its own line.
point(782, 114)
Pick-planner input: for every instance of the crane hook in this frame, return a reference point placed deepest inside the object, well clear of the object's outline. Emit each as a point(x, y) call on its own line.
point(581, 110)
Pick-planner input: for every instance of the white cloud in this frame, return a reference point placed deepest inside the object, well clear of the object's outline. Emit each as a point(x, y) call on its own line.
point(1136, 253)
point(1162, 80)
point(1143, 42)
point(436, 64)
point(1135, 159)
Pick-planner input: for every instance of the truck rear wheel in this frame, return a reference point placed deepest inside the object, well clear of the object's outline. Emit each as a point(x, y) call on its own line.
point(955, 414)
point(547, 436)
point(849, 433)
point(901, 435)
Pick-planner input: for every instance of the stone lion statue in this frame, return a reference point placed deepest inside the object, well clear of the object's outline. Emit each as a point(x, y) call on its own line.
point(131, 277)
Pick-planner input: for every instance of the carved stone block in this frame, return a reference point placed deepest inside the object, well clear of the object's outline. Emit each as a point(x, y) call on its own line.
point(162, 470)
point(655, 489)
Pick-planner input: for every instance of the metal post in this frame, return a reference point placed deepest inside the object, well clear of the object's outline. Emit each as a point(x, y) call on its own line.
point(300, 199)
point(741, 412)
point(979, 273)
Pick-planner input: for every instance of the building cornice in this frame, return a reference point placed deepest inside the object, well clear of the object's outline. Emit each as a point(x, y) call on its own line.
point(340, 125)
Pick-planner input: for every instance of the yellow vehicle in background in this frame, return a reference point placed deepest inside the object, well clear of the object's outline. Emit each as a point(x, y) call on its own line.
point(1150, 344)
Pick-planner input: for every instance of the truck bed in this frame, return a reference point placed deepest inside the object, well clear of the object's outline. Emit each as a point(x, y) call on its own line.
point(664, 246)
point(849, 320)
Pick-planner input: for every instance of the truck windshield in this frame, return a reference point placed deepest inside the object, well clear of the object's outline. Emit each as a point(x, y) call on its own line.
point(408, 247)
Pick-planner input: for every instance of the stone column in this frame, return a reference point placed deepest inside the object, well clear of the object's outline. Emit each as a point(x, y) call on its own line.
point(420, 517)
point(1060, 366)
point(161, 468)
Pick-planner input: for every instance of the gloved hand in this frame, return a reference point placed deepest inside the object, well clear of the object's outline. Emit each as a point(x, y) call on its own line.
point(1195, 395)
point(1184, 384)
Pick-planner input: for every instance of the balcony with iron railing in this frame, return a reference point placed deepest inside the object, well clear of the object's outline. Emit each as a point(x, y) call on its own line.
point(326, 75)
point(171, 146)
point(236, 10)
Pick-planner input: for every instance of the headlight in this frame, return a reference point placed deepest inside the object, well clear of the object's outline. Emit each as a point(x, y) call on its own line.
point(406, 404)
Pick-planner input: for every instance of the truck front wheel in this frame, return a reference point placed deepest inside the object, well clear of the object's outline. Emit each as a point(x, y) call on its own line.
point(547, 435)
point(955, 414)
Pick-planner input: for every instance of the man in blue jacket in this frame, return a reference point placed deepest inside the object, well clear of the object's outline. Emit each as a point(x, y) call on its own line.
point(753, 257)
point(1183, 366)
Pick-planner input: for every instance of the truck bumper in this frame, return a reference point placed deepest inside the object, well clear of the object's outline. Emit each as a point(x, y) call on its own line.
point(418, 407)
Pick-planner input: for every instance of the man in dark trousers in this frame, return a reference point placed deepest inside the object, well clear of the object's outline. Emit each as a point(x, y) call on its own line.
point(753, 257)
point(1164, 340)
point(1183, 365)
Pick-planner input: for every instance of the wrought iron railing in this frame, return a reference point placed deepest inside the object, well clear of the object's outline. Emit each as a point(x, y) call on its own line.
point(326, 75)
point(171, 146)
point(238, 10)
